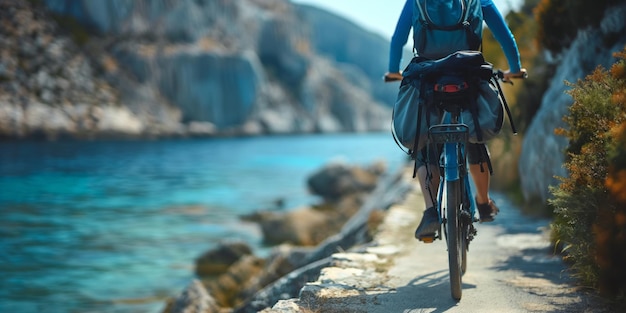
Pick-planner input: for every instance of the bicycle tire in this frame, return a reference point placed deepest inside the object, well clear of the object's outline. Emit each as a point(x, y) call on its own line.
point(465, 228)
point(455, 237)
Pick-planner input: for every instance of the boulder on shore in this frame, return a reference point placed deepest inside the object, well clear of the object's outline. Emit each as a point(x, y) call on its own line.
point(337, 180)
point(218, 260)
point(194, 299)
point(343, 189)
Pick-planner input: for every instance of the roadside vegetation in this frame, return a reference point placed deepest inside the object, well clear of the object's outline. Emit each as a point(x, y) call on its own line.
point(590, 204)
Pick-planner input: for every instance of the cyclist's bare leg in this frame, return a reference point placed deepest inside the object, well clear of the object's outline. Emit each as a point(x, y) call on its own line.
point(486, 207)
point(430, 197)
point(430, 220)
point(481, 180)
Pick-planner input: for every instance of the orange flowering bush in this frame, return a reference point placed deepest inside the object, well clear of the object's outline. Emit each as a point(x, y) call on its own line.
point(610, 228)
point(590, 204)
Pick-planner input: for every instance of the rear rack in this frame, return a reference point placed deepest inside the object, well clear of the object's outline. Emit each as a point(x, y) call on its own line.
point(448, 133)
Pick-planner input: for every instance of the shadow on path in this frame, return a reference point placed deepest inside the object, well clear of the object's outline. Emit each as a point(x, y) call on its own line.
point(426, 293)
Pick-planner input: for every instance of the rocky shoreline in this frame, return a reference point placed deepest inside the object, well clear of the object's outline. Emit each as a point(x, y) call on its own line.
point(231, 278)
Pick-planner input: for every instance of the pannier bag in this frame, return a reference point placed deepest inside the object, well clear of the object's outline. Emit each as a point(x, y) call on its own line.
point(463, 76)
point(411, 116)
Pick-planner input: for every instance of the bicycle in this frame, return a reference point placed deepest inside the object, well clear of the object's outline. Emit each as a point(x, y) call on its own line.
point(457, 213)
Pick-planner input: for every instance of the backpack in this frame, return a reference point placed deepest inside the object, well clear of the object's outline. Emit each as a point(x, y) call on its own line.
point(441, 27)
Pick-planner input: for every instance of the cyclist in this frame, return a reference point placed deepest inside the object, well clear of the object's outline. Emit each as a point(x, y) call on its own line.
point(477, 154)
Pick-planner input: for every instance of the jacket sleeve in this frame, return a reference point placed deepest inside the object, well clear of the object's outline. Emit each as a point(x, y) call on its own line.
point(400, 37)
point(502, 33)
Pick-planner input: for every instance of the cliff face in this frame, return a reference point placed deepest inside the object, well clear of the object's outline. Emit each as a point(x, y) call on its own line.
point(162, 68)
point(543, 151)
point(359, 54)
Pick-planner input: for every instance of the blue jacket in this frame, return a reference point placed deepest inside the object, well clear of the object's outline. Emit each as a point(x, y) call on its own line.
point(492, 17)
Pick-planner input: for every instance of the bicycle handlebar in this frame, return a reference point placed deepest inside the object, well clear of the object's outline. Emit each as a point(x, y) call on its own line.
point(499, 74)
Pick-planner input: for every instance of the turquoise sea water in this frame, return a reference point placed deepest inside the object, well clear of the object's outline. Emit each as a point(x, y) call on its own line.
point(116, 226)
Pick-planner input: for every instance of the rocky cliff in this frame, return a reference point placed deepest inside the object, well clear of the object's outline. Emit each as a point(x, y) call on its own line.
point(163, 68)
point(543, 151)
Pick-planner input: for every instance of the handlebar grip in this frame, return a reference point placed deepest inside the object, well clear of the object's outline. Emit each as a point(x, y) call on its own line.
point(522, 75)
point(388, 79)
point(392, 77)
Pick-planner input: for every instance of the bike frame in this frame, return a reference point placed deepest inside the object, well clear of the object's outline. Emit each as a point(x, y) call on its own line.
point(452, 135)
point(453, 150)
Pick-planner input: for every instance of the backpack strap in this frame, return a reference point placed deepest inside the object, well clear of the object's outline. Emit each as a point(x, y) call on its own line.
point(473, 40)
point(419, 46)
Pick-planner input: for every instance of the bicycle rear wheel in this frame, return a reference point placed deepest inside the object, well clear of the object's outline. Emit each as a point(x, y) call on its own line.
point(455, 237)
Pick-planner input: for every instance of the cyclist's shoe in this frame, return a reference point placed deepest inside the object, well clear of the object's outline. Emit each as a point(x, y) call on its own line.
point(487, 211)
point(429, 224)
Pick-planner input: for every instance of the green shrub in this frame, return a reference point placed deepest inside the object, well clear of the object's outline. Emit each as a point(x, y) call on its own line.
point(583, 204)
point(610, 227)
